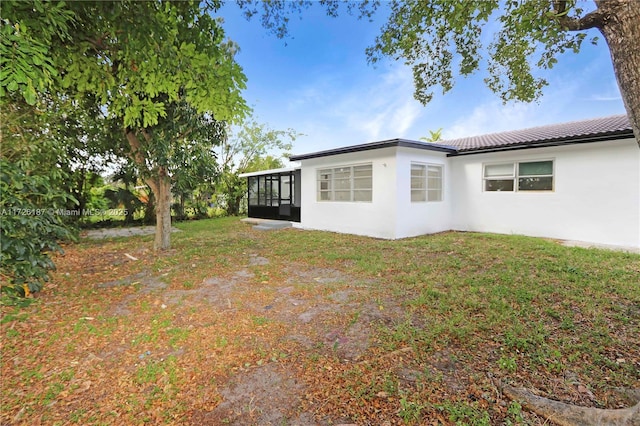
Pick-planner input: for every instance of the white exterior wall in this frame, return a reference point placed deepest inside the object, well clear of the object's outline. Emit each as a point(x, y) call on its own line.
point(375, 219)
point(419, 218)
point(596, 196)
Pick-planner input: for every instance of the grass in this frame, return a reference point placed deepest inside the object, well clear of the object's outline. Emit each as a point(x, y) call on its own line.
point(446, 316)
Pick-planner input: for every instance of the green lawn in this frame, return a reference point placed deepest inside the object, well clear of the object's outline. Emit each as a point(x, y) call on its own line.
point(420, 330)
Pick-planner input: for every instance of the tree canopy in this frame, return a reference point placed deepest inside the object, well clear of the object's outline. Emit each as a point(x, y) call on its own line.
point(159, 69)
point(132, 56)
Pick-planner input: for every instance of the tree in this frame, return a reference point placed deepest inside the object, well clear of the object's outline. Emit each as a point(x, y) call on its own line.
point(443, 37)
point(434, 136)
point(238, 153)
point(138, 60)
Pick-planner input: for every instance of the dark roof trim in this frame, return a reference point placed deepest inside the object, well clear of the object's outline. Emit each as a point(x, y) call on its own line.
point(376, 145)
point(572, 140)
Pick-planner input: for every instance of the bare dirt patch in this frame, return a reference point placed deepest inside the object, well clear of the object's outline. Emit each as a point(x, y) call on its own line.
point(315, 304)
point(267, 395)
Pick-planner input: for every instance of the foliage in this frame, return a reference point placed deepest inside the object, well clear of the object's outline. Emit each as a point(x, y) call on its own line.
point(90, 146)
point(33, 200)
point(444, 38)
point(192, 161)
point(30, 227)
point(148, 74)
point(434, 136)
point(25, 41)
point(122, 193)
point(274, 15)
point(103, 49)
point(248, 150)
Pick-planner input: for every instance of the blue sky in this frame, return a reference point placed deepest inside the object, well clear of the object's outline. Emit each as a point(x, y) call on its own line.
point(318, 82)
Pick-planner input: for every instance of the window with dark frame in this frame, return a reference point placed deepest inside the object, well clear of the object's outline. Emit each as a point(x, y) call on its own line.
point(519, 176)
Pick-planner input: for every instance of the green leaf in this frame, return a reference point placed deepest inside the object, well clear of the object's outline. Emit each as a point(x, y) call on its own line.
point(12, 86)
point(29, 95)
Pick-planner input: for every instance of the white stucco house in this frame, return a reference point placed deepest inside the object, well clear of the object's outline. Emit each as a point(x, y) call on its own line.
point(572, 181)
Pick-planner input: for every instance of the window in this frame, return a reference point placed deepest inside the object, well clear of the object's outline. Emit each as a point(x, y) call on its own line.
point(347, 183)
point(426, 182)
point(519, 176)
point(263, 190)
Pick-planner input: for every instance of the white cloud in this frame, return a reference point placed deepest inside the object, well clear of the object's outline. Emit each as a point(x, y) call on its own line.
point(356, 108)
point(493, 117)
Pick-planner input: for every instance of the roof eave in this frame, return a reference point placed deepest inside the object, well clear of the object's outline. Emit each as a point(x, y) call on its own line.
point(269, 172)
point(622, 134)
point(375, 145)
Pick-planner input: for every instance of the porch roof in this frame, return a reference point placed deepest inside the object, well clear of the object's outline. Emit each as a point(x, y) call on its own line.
point(269, 172)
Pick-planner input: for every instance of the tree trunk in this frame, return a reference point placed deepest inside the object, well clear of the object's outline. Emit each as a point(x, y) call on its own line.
point(160, 184)
point(161, 187)
point(620, 27)
point(182, 215)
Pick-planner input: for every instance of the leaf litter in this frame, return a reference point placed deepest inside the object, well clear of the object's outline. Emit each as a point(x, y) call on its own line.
point(251, 337)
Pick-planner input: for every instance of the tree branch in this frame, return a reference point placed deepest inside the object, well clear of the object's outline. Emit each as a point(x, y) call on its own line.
point(136, 152)
point(593, 19)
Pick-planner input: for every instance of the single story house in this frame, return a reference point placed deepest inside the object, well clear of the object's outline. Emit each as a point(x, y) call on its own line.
point(573, 181)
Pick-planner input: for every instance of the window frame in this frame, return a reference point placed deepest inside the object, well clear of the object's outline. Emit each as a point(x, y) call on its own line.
point(342, 181)
point(425, 180)
point(515, 175)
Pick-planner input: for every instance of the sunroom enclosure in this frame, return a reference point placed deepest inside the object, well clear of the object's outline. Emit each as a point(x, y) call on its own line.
point(274, 194)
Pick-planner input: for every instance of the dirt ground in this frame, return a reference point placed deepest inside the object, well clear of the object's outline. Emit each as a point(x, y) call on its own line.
point(268, 394)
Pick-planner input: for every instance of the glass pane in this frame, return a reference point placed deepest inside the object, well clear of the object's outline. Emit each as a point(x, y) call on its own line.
point(535, 183)
point(435, 171)
point(535, 168)
point(434, 183)
point(342, 195)
point(362, 195)
point(324, 196)
point(262, 193)
point(498, 170)
point(498, 185)
point(325, 186)
point(342, 183)
point(418, 195)
point(343, 173)
point(362, 171)
point(362, 183)
point(434, 195)
point(285, 188)
point(418, 183)
point(253, 191)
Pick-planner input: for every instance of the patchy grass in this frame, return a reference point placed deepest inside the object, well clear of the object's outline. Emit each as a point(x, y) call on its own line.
point(374, 331)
